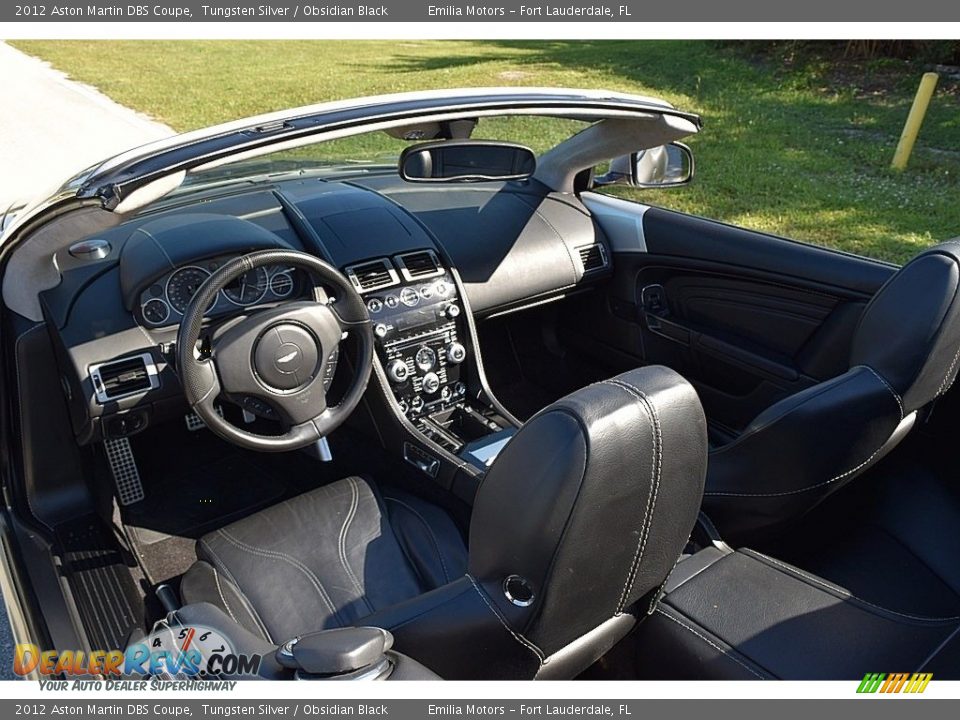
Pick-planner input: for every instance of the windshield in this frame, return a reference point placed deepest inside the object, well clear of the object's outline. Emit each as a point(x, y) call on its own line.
point(380, 150)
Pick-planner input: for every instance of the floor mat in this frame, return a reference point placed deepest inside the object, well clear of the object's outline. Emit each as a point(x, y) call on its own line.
point(103, 588)
point(194, 482)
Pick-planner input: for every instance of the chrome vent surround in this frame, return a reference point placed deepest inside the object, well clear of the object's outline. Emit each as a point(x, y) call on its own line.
point(122, 378)
point(372, 275)
point(593, 257)
point(419, 264)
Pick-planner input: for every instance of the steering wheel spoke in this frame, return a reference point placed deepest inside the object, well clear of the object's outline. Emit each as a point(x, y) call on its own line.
point(277, 359)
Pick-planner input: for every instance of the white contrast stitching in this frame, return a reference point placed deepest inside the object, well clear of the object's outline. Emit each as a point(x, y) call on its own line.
point(314, 580)
point(832, 480)
point(214, 561)
point(945, 385)
point(433, 538)
point(887, 385)
point(790, 570)
point(342, 545)
point(654, 489)
point(516, 636)
point(216, 579)
point(712, 644)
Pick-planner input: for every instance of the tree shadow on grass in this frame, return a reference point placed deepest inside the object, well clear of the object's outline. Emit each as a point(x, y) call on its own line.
point(774, 152)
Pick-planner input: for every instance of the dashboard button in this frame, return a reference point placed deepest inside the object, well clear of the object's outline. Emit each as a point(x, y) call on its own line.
point(426, 292)
point(398, 371)
point(456, 353)
point(409, 297)
point(425, 358)
point(452, 310)
point(431, 383)
point(391, 301)
point(375, 305)
point(380, 330)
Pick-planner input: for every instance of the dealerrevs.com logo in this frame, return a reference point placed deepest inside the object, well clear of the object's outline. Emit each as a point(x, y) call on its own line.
point(895, 683)
point(181, 652)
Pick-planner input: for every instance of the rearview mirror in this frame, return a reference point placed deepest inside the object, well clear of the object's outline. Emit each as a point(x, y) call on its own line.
point(466, 161)
point(663, 166)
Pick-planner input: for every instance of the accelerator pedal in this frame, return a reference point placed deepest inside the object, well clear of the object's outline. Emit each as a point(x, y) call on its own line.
point(123, 466)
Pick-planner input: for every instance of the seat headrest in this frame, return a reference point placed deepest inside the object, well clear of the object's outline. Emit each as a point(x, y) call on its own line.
point(590, 504)
point(910, 331)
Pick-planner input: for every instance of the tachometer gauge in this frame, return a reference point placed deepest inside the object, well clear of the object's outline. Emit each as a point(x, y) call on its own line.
point(281, 284)
point(183, 285)
point(249, 288)
point(155, 311)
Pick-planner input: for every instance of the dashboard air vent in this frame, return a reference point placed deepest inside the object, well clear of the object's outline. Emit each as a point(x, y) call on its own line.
point(120, 378)
point(420, 264)
point(372, 275)
point(593, 257)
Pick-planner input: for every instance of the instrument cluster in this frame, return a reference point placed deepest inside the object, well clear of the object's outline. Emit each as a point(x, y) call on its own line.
point(165, 301)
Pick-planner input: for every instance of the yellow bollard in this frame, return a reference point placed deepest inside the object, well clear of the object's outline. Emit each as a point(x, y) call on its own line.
point(914, 120)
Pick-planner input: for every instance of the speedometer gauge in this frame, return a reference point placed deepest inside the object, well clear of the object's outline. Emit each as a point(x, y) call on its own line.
point(249, 288)
point(183, 285)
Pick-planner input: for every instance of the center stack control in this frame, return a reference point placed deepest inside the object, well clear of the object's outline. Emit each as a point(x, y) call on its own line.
point(414, 307)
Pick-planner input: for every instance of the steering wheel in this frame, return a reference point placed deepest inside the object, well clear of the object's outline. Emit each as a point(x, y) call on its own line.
point(274, 362)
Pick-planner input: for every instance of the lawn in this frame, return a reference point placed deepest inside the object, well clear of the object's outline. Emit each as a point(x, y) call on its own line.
point(794, 147)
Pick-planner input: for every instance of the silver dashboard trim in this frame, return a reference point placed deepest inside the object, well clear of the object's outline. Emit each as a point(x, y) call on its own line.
point(621, 221)
point(351, 275)
point(399, 260)
point(153, 376)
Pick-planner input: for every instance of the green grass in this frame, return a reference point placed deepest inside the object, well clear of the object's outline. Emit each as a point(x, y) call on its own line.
point(799, 149)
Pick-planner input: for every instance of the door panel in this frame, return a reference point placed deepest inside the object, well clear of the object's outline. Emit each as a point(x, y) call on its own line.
point(747, 317)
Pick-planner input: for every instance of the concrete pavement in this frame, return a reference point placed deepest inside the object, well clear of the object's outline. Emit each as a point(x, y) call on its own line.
point(52, 128)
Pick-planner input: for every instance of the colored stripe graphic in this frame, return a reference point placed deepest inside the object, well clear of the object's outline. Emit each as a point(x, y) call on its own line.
point(892, 683)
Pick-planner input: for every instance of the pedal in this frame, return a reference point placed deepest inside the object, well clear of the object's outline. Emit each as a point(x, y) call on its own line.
point(195, 422)
point(123, 466)
point(320, 450)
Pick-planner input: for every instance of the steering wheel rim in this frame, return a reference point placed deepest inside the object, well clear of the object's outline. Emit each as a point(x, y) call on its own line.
point(277, 355)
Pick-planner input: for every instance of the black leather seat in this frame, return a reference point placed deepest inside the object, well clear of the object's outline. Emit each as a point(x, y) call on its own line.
point(905, 354)
point(581, 517)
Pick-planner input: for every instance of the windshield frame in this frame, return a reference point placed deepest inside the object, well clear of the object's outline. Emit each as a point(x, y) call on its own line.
point(115, 179)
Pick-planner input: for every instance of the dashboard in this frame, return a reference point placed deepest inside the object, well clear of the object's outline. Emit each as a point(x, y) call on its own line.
point(426, 260)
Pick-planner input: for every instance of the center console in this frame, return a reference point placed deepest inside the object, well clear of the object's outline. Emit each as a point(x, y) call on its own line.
point(423, 345)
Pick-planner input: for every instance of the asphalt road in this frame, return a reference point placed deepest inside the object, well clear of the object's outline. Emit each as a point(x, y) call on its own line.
point(52, 128)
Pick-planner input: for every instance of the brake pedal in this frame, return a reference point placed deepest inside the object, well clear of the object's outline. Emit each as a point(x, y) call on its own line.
point(123, 466)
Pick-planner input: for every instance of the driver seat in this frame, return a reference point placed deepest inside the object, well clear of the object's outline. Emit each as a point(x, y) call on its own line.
point(581, 517)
